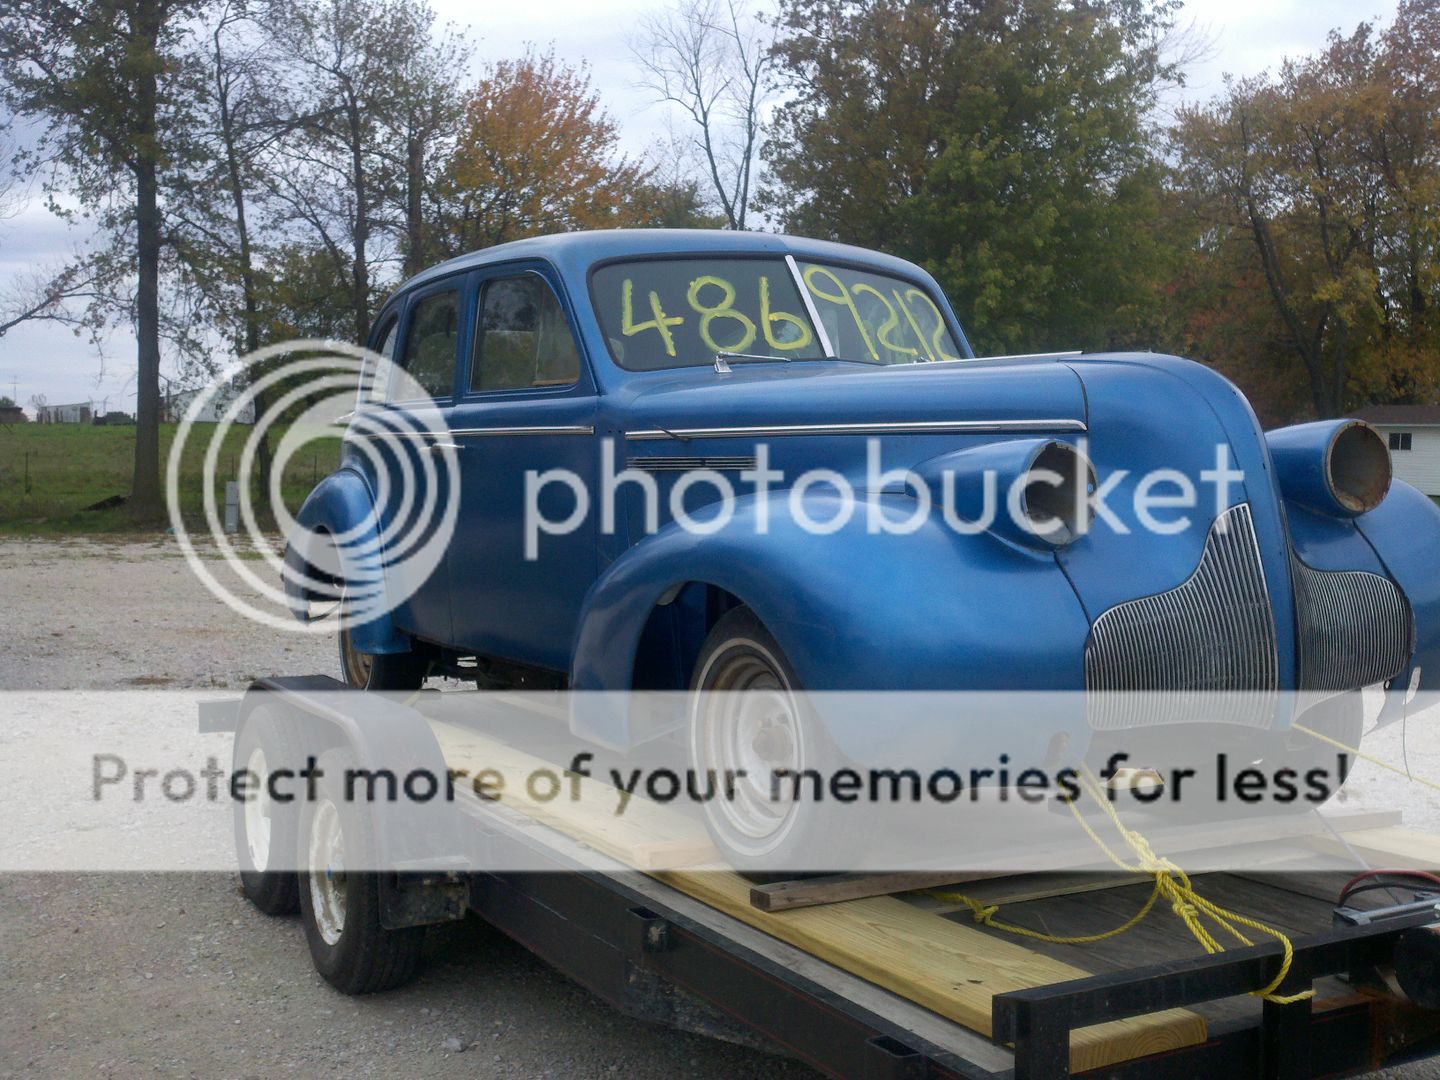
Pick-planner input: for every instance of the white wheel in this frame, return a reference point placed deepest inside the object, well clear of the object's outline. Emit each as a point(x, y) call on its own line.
point(327, 872)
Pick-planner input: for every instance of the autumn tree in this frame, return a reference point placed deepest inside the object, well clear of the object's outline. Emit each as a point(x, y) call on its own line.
point(1329, 172)
point(536, 153)
point(1004, 146)
point(100, 81)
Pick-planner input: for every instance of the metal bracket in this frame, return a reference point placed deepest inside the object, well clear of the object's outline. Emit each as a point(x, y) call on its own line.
point(647, 931)
point(890, 1059)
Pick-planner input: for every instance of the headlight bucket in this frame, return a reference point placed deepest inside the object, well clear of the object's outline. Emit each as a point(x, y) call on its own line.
point(1338, 467)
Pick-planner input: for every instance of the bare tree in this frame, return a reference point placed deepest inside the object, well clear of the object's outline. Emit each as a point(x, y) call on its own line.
point(712, 61)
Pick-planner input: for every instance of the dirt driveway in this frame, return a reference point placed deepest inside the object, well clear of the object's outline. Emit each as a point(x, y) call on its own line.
point(176, 975)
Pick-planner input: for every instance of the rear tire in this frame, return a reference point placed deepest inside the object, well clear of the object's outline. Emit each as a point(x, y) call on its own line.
point(380, 671)
point(340, 908)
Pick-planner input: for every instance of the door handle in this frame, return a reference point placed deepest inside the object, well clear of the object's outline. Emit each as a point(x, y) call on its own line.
point(444, 446)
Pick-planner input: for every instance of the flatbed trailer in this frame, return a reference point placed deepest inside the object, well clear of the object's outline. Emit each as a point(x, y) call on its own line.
point(679, 948)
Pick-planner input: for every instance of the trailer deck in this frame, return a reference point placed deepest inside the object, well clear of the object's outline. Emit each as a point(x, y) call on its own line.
point(906, 985)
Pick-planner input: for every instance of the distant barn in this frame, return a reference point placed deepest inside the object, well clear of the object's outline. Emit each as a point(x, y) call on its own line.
point(13, 414)
point(1413, 433)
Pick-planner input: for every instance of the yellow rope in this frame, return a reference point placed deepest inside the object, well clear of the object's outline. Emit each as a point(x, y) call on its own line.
point(1365, 757)
point(1171, 883)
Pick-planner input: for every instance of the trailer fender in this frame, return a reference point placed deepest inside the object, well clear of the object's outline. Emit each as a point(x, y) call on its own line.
point(421, 840)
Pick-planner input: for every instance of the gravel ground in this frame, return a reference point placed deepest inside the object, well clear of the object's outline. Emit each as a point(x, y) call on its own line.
point(176, 975)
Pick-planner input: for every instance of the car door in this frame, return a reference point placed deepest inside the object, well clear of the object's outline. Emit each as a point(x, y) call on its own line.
point(412, 480)
point(526, 404)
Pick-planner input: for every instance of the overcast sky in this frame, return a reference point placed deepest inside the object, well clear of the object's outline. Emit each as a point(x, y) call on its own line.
point(1248, 36)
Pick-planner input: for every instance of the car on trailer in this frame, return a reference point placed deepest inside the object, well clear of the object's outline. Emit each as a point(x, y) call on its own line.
point(667, 370)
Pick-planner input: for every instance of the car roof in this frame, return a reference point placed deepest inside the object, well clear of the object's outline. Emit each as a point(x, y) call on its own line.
point(574, 252)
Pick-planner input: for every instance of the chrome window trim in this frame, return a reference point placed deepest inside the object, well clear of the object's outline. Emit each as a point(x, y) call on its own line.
point(541, 429)
point(898, 427)
point(810, 308)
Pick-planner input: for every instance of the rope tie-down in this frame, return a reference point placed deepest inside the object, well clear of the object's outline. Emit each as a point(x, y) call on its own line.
point(1172, 885)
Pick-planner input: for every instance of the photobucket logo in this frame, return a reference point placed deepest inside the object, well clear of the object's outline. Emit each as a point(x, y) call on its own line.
point(1034, 492)
point(301, 394)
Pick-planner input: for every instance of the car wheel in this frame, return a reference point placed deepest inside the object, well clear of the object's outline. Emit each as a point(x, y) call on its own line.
point(749, 716)
point(380, 671)
point(339, 902)
point(264, 828)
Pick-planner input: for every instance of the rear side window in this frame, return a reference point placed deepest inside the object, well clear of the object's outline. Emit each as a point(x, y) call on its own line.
point(373, 374)
point(430, 345)
point(522, 338)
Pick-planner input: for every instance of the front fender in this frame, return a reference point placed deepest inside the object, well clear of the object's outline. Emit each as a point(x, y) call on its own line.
point(857, 609)
point(1404, 530)
point(341, 505)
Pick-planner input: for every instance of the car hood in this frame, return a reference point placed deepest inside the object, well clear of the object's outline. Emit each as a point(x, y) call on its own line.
point(810, 393)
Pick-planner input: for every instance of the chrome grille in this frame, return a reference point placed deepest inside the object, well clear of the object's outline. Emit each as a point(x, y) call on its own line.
point(1356, 628)
point(1215, 633)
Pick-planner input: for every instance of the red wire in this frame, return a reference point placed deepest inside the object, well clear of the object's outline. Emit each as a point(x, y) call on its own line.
point(1423, 875)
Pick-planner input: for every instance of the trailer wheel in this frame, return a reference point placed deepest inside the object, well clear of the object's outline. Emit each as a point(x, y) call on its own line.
point(751, 719)
point(340, 906)
point(265, 828)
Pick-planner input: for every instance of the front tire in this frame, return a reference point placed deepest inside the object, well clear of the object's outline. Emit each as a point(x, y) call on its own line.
point(340, 894)
point(747, 714)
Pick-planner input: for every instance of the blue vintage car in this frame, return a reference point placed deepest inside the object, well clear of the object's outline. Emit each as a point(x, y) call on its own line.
point(631, 364)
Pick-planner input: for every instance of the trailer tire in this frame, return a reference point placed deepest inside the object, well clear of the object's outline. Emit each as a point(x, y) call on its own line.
point(340, 909)
point(265, 827)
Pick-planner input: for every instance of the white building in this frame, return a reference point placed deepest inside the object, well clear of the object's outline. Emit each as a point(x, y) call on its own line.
point(1413, 432)
point(79, 413)
point(178, 404)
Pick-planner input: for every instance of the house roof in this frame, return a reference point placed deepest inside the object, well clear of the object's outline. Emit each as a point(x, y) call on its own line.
point(1400, 415)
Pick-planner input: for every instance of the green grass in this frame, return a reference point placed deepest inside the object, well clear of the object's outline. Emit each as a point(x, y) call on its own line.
point(50, 472)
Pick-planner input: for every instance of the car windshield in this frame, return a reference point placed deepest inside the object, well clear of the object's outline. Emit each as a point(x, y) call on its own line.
point(666, 313)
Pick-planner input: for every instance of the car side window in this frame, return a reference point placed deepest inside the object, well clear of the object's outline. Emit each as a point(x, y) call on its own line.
point(522, 338)
point(373, 371)
point(430, 346)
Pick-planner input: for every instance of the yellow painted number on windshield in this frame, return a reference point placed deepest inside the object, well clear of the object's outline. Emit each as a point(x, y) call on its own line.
point(891, 323)
point(723, 310)
point(768, 319)
point(936, 349)
point(844, 299)
point(660, 322)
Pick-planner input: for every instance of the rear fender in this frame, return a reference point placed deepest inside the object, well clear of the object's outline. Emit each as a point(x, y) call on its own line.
point(341, 505)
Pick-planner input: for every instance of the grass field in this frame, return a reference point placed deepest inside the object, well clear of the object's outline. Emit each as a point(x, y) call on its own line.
point(50, 472)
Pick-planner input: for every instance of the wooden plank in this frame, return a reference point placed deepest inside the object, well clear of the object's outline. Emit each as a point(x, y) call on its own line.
point(1025, 888)
point(952, 969)
point(1393, 847)
point(837, 888)
point(646, 836)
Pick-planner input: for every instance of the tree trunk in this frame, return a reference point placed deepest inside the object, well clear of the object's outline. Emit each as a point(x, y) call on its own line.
point(359, 272)
point(146, 500)
point(414, 206)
